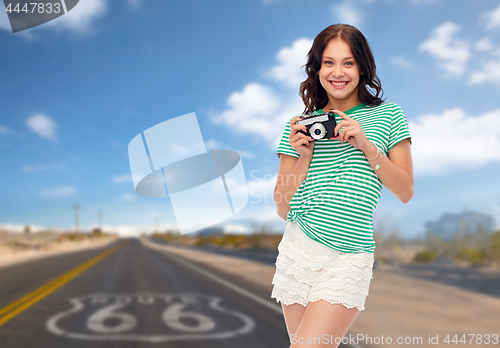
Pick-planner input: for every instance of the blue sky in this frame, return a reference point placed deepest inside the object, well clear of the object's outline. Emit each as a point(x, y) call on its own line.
point(76, 90)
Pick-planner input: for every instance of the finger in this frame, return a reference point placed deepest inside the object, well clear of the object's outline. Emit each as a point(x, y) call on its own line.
point(339, 125)
point(342, 114)
point(344, 135)
point(299, 136)
point(295, 124)
point(299, 127)
point(342, 125)
point(349, 133)
point(294, 127)
point(294, 120)
point(301, 142)
point(293, 135)
point(307, 137)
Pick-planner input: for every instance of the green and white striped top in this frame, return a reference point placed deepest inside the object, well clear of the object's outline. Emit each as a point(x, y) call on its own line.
point(335, 203)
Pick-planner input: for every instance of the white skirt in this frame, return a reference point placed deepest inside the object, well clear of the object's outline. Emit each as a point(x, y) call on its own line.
point(308, 271)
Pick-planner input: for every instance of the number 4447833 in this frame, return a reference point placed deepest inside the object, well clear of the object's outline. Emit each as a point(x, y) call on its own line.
point(39, 6)
point(472, 338)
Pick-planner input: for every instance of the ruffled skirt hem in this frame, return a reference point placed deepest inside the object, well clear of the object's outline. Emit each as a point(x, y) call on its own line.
point(308, 271)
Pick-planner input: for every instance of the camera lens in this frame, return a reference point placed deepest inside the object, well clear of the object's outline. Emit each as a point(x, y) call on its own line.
point(317, 131)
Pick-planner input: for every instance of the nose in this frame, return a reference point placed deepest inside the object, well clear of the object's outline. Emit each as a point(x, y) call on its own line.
point(337, 71)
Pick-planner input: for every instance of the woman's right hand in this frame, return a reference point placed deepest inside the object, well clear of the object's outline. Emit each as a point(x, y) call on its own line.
point(299, 141)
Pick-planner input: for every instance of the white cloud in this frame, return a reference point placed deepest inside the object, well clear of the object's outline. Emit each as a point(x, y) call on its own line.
point(131, 230)
point(135, 3)
point(347, 12)
point(34, 168)
point(37, 167)
point(126, 197)
point(261, 111)
point(233, 228)
point(18, 228)
point(59, 192)
point(261, 188)
point(451, 53)
point(490, 72)
point(258, 112)
point(269, 215)
point(128, 231)
point(43, 126)
point(484, 45)
point(257, 216)
point(290, 61)
point(489, 69)
point(246, 154)
point(81, 18)
point(454, 140)
point(401, 61)
point(4, 130)
point(213, 144)
point(122, 178)
point(492, 18)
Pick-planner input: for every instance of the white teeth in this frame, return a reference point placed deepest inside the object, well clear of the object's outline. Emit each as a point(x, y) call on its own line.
point(340, 83)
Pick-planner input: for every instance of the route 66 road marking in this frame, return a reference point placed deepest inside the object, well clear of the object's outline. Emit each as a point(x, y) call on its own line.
point(176, 316)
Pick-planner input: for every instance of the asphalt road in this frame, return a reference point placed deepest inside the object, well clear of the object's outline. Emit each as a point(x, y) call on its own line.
point(135, 297)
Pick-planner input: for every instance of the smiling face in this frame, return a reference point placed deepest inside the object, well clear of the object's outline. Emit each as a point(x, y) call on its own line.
point(339, 75)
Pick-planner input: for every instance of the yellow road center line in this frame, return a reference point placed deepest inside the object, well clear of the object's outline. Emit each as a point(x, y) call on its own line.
point(46, 289)
point(43, 288)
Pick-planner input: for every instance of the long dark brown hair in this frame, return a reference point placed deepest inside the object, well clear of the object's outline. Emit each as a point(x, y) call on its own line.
point(369, 88)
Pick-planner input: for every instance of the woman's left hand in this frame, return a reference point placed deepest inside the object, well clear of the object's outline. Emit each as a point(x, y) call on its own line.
point(351, 132)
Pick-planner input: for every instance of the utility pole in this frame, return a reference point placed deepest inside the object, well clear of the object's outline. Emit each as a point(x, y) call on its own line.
point(100, 219)
point(76, 206)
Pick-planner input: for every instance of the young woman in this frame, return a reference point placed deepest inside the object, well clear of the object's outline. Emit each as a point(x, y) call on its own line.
point(327, 189)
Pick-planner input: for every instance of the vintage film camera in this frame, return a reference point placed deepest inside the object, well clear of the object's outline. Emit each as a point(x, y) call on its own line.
point(319, 126)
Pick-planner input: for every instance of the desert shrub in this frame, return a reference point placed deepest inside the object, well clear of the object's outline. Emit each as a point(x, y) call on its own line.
point(425, 256)
point(471, 255)
point(201, 241)
point(493, 246)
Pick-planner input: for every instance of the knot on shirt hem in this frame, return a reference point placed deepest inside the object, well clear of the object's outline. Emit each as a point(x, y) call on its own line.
point(292, 216)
